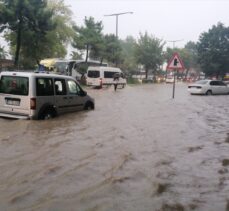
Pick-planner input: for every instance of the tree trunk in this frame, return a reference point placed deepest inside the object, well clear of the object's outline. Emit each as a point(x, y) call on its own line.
point(101, 61)
point(146, 73)
point(18, 44)
point(87, 51)
point(186, 74)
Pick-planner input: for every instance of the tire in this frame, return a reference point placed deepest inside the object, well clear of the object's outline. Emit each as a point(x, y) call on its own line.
point(48, 114)
point(209, 92)
point(89, 106)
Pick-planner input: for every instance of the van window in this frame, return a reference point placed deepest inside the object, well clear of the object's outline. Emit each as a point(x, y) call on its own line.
point(14, 85)
point(73, 88)
point(60, 87)
point(109, 74)
point(44, 87)
point(93, 74)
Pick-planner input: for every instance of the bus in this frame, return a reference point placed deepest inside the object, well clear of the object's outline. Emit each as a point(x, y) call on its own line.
point(74, 68)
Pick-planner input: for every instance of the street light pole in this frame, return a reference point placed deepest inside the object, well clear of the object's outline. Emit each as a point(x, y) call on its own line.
point(174, 41)
point(117, 14)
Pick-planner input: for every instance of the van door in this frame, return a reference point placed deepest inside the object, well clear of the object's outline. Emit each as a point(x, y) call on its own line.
point(94, 78)
point(75, 99)
point(14, 92)
point(61, 97)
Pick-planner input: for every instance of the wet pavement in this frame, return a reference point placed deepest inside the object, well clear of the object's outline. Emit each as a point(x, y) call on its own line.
point(139, 150)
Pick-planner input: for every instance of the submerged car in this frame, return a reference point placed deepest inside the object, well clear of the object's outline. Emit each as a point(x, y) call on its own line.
point(29, 95)
point(208, 87)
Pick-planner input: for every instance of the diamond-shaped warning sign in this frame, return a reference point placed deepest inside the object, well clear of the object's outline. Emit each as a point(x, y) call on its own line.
point(175, 63)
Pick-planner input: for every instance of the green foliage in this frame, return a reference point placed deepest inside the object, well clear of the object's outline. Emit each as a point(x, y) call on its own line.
point(112, 50)
point(3, 53)
point(25, 21)
point(128, 49)
point(36, 30)
point(149, 52)
point(213, 50)
point(89, 37)
point(63, 33)
point(76, 55)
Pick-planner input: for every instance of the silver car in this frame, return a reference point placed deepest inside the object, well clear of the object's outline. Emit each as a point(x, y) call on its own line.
point(208, 87)
point(28, 95)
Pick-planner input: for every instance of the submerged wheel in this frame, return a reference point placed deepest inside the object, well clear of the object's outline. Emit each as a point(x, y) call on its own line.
point(89, 106)
point(209, 92)
point(48, 114)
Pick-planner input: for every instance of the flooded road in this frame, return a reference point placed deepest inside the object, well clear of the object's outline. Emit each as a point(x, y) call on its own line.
point(139, 150)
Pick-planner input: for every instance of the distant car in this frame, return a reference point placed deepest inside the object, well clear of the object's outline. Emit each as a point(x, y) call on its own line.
point(226, 82)
point(169, 79)
point(208, 87)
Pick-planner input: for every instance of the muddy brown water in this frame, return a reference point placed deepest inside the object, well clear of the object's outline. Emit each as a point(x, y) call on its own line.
point(139, 150)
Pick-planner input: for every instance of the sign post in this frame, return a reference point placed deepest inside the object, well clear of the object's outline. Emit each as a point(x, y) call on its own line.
point(175, 64)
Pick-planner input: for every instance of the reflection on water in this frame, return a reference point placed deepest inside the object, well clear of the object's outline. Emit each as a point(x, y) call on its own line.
point(138, 150)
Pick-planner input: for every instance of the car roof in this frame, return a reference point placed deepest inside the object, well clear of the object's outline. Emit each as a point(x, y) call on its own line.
point(33, 74)
point(104, 68)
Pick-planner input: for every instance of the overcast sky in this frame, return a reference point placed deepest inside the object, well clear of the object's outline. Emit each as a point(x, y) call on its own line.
point(166, 19)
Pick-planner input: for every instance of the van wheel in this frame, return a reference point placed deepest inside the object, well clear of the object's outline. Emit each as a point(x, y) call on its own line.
point(89, 106)
point(47, 114)
point(209, 92)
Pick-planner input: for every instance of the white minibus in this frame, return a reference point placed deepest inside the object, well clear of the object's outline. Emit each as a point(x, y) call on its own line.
point(98, 76)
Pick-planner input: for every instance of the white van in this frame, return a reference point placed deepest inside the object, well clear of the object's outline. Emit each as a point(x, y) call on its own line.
point(98, 76)
point(29, 95)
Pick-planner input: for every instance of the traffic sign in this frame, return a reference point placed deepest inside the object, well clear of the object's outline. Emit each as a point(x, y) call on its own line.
point(175, 63)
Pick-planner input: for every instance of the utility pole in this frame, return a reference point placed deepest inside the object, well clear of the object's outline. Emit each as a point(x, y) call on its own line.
point(117, 15)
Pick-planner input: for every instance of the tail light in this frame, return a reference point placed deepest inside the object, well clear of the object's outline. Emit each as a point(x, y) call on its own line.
point(33, 103)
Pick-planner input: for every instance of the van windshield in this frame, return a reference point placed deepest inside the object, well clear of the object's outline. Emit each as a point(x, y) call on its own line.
point(14, 85)
point(93, 74)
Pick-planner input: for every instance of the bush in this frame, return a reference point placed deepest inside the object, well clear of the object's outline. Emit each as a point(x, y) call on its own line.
point(133, 81)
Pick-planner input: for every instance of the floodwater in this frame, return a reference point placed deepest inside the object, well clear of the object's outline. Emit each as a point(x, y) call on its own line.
point(139, 150)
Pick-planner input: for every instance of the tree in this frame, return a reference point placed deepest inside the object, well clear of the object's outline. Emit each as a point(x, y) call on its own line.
point(63, 33)
point(213, 50)
point(76, 55)
point(3, 53)
point(88, 37)
point(24, 19)
point(128, 50)
point(149, 52)
point(112, 51)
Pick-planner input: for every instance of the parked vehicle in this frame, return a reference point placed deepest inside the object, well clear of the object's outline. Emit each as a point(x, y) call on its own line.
point(208, 87)
point(169, 79)
point(76, 67)
point(28, 95)
point(99, 76)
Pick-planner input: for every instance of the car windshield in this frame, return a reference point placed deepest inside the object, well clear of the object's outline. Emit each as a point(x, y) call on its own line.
point(201, 82)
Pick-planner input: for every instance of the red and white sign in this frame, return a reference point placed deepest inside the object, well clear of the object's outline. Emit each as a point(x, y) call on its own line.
point(175, 63)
